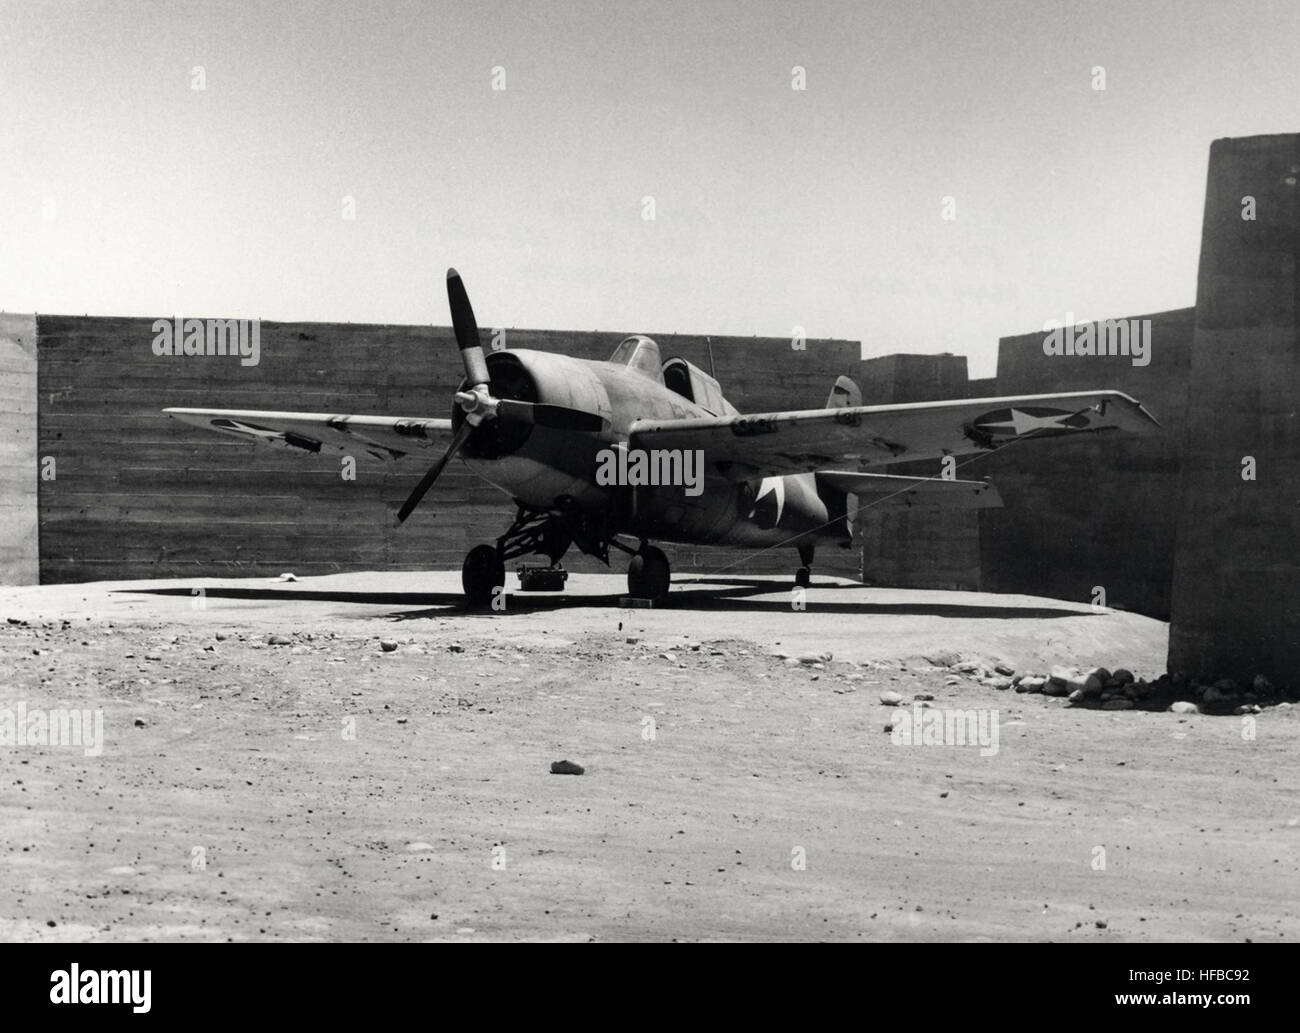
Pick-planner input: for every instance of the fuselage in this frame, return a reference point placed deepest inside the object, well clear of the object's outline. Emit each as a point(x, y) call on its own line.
point(550, 469)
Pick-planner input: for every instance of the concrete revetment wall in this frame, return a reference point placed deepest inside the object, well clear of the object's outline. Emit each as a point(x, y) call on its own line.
point(1098, 511)
point(140, 495)
point(1236, 579)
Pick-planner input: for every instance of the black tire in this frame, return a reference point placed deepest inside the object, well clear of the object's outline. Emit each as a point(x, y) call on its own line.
point(648, 575)
point(482, 571)
point(636, 577)
point(803, 577)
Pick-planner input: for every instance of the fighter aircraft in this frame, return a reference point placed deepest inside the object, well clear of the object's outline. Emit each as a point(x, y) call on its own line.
point(601, 455)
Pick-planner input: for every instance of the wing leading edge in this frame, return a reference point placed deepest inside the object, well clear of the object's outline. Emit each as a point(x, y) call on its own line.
point(384, 437)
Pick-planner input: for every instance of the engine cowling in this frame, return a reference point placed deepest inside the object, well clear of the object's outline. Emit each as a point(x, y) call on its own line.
point(534, 462)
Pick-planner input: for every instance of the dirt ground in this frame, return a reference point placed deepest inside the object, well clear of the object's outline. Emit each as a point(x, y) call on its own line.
point(327, 789)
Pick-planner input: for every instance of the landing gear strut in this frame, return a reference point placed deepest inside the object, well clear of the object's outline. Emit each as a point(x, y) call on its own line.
point(648, 575)
point(542, 532)
point(803, 576)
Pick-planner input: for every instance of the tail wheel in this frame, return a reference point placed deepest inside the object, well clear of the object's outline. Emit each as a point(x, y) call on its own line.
point(482, 572)
point(803, 577)
point(648, 575)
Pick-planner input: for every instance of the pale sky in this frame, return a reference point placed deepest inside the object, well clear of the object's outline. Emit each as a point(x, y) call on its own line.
point(123, 191)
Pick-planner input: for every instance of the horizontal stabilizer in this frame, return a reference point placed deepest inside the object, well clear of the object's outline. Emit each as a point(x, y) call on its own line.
point(893, 490)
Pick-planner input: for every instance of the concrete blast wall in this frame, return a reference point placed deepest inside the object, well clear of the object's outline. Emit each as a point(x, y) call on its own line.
point(1236, 583)
point(1093, 518)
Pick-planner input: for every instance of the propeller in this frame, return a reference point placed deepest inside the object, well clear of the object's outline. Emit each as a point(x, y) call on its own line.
point(477, 400)
point(466, 327)
point(435, 471)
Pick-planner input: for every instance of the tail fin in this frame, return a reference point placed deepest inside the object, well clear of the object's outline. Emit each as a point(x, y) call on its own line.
point(845, 392)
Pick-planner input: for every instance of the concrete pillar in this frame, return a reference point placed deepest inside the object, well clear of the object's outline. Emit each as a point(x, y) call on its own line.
point(1236, 586)
point(19, 552)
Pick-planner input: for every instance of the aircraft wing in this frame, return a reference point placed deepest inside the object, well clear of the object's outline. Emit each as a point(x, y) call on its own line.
point(862, 436)
point(384, 437)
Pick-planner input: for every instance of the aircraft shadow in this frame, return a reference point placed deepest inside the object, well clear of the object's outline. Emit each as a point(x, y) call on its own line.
point(323, 595)
point(692, 594)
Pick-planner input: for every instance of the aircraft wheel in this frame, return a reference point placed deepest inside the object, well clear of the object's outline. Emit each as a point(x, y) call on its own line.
point(803, 577)
point(482, 571)
point(648, 575)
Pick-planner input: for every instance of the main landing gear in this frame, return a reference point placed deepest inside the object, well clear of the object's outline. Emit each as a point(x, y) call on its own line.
point(484, 571)
point(549, 533)
point(534, 531)
point(803, 576)
point(648, 575)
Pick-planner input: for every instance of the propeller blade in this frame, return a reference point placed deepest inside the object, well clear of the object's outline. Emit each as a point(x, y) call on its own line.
point(466, 327)
point(426, 482)
point(557, 417)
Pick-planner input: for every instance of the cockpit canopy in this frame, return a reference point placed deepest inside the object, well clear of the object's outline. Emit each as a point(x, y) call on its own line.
point(639, 353)
point(642, 354)
point(691, 382)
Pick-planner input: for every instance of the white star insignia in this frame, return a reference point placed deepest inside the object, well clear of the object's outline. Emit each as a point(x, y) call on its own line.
point(1023, 423)
point(776, 487)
